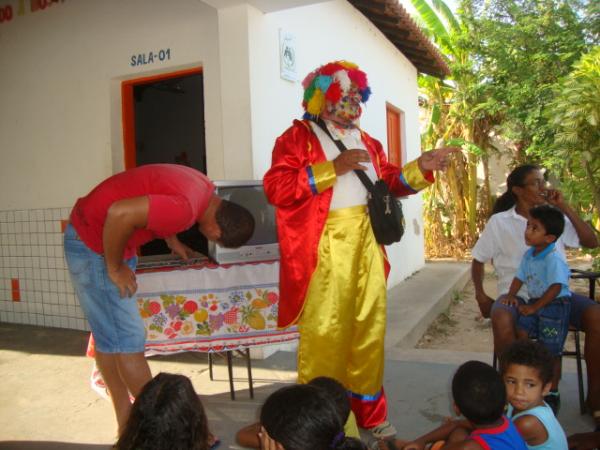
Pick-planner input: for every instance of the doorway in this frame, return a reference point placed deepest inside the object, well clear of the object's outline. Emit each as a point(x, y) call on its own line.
point(163, 122)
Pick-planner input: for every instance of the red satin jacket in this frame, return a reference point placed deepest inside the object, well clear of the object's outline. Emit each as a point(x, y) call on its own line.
point(295, 186)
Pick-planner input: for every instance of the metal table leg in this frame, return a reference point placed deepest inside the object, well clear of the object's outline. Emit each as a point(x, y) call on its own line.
point(249, 366)
point(230, 369)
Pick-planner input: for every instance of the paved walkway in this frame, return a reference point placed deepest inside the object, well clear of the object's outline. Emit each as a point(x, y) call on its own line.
point(46, 402)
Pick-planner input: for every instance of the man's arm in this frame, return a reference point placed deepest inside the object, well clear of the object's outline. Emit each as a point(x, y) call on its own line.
point(179, 248)
point(585, 233)
point(484, 301)
point(122, 219)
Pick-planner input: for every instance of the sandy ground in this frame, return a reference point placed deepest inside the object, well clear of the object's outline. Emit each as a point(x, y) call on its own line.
point(462, 327)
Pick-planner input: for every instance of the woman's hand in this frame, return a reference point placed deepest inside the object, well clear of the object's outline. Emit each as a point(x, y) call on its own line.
point(555, 198)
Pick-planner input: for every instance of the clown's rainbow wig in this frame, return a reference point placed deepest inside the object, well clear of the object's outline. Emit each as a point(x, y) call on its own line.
point(330, 82)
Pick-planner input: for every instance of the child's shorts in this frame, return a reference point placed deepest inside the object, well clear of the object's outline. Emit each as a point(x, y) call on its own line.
point(115, 322)
point(549, 325)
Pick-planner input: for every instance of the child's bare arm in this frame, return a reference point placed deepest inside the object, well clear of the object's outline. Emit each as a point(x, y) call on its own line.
point(440, 433)
point(531, 429)
point(511, 297)
point(469, 444)
point(550, 294)
point(248, 436)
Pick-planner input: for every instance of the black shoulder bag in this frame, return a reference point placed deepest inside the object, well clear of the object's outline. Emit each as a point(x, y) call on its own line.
point(385, 210)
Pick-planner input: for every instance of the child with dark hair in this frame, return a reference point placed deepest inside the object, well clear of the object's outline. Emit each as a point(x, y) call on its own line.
point(167, 415)
point(339, 394)
point(545, 316)
point(479, 396)
point(527, 369)
point(303, 417)
point(248, 436)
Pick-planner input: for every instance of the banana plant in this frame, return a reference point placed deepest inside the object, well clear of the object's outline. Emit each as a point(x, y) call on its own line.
point(452, 214)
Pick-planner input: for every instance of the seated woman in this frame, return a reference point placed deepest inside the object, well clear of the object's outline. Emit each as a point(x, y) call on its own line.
point(503, 243)
point(167, 415)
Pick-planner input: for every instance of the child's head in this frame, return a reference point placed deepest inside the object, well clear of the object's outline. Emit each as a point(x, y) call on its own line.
point(337, 391)
point(545, 225)
point(527, 369)
point(166, 415)
point(478, 392)
point(304, 417)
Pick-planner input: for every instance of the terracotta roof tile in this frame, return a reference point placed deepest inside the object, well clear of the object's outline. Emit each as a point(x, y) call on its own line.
point(401, 30)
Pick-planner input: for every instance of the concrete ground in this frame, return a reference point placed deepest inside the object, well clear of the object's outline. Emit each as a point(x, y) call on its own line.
point(46, 401)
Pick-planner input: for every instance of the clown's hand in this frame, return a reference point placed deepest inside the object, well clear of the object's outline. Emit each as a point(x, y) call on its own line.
point(436, 159)
point(350, 160)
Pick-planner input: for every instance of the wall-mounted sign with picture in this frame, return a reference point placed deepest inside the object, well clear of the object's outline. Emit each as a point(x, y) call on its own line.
point(287, 56)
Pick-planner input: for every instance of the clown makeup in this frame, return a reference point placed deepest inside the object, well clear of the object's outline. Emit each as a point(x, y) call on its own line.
point(347, 109)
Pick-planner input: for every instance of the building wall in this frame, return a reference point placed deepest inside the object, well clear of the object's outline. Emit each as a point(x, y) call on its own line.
point(60, 78)
point(326, 32)
point(61, 126)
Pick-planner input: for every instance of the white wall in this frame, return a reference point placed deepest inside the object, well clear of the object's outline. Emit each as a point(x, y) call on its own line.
point(60, 113)
point(326, 32)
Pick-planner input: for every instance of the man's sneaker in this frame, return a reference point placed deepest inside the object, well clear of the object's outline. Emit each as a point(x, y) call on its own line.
point(553, 400)
point(384, 430)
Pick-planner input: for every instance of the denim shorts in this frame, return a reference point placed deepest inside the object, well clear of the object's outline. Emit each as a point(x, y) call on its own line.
point(115, 322)
point(579, 303)
point(549, 325)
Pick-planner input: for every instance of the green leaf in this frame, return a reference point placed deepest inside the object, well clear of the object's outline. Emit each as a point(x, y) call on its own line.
point(433, 23)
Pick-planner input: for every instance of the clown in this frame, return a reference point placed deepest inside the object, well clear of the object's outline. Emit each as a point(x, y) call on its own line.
point(333, 272)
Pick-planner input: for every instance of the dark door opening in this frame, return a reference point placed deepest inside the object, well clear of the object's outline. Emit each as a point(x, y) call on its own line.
point(163, 122)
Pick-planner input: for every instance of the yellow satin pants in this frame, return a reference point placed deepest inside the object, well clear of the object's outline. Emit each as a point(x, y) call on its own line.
point(342, 326)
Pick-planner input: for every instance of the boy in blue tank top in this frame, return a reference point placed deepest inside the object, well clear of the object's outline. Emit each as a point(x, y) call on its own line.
point(527, 372)
point(480, 397)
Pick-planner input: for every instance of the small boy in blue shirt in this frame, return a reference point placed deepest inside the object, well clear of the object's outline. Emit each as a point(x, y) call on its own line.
point(545, 316)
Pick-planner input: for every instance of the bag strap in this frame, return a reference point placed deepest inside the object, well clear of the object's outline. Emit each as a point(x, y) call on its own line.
point(342, 148)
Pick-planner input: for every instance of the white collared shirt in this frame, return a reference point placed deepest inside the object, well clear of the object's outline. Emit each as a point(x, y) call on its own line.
point(503, 243)
point(348, 190)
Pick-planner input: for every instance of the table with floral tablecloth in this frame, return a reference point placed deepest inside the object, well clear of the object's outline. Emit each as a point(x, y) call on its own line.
point(208, 308)
point(211, 308)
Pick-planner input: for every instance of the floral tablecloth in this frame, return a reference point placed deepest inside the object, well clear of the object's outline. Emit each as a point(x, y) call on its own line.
point(214, 308)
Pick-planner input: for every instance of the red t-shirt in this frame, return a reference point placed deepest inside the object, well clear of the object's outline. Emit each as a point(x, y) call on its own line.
point(178, 197)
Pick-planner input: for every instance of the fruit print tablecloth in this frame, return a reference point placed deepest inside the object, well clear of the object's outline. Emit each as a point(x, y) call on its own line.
point(212, 308)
